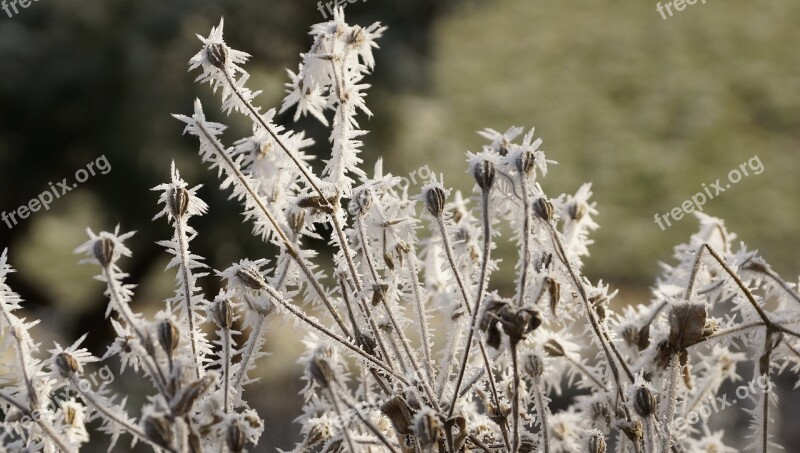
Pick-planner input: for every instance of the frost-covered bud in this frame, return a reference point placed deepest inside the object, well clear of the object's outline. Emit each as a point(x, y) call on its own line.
point(250, 277)
point(398, 412)
point(553, 348)
point(534, 365)
point(183, 401)
point(526, 162)
point(66, 363)
point(634, 430)
point(576, 210)
point(158, 430)
point(223, 313)
point(168, 336)
point(644, 402)
point(434, 200)
point(178, 201)
point(360, 203)
point(296, 220)
point(687, 323)
point(596, 443)
point(543, 208)
point(554, 289)
point(235, 438)
point(320, 370)
point(427, 427)
point(217, 54)
point(104, 251)
point(484, 174)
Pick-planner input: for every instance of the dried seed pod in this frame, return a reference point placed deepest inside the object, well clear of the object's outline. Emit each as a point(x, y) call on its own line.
point(553, 348)
point(596, 442)
point(428, 427)
point(644, 402)
point(576, 210)
point(434, 200)
point(526, 162)
point(250, 277)
point(168, 336)
point(484, 174)
point(533, 365)
point(296, 220)
point(182, 403)
point(104, 251)
point(70, 414)
point(634, 430)
point(360, 203)
point(223, 313)
point(158, 430)
point(398, 412)
point(518, 323)
point(687, 321)
point(554, 288)
point(235, 437)
point(178, 201)
point(66, 363)
point(320, 370)
point(217, 55)
point(543, 209)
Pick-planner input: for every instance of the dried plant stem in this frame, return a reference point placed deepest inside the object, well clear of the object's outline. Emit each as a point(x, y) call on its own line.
point(672, 398)
point(47, 428)
point(370, 426)
point(526, 231)
point(187, 294)
point(515, 403)
point(226, 371)
point(541, 409)
point(764, 363)
point(411, 262)
point(777, 279)
point(149, 362)
point(338, 410)
point(233, 169)
point(577, 364)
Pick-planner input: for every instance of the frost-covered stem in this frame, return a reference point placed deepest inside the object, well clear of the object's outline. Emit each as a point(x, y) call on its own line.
point(187, 293)
point(584, 371)
point(601, 338)
point(254, 115)
point(47, 428)
point(226, 384)
point(459, 280)
point(236, 172)
point(371, 426)
point(149, 362)
point(302, 317)
point(109, 414)
point(526, 253)
point(515, 402)
point(777, 279)
point(764, 363)
point(23, 354)
point(672, 399)
point(345, 431)
point(542, 411)
point(411, 262)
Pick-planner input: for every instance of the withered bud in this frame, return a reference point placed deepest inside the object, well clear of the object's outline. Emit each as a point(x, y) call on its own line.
point(428, 427)
point(158, 430)
point(543, 262)
point(553, 348)
point(554, 288)
point(217, 54)
point(687, 322)
point(366, 343)
point(434, 200)
point(518, 323)
point(168, 336)
point(223, 313)
point(320, 370)
point(596, 442)
point(178, 201)
point(66, 363)
point(182, 403)
point(634, 430)
point(493, 336)
point(639, 337)
point(378, 293)
point(533, 365)
point(757, 264)
point(319, 433)
point(576, 210)
point(398, 412)
point(104, 251)
point(296, 220)
point(70, 415)
point(543, 209)
point(250, 277)
point(644, 402)
point(526, 162)
point(484, 174)
point(360, 203)
point(528, 443)
point(235, 438)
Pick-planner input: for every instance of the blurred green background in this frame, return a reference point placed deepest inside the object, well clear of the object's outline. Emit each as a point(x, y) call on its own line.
point(646, 109)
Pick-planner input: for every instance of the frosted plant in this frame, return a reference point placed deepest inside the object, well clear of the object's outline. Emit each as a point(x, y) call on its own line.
point(412, 348)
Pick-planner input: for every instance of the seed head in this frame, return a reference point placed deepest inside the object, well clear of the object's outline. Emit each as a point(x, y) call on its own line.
point(321, 371)
point(296, 220)
point(217, 54)
point(597, 442)
point(543, 209)
point(484, 174)
point(223, 313)
point(553, 348)
point(66, 363)
point(168, 336)
point(250, 277)
point(159, 430)
point(104, 251)
point(644, 402)
point(534, 365)
point(235, 438)
point(526, 162)
point(434, 200)
point(427, 427)
point(178, 201)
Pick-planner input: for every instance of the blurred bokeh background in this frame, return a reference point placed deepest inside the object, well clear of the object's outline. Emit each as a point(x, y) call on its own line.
point(647, 109)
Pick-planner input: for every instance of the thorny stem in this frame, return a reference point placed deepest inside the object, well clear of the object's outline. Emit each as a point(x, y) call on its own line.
point(290, 247)
point(187, 294)
point(46, 427)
